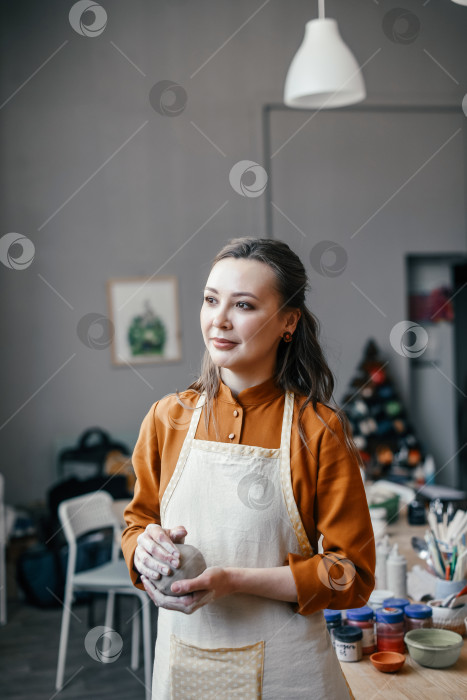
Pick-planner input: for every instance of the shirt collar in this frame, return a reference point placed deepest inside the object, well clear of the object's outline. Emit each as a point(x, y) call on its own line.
point(261, 393)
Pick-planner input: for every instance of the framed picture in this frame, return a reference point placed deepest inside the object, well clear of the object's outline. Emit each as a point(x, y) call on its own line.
point(144, 311)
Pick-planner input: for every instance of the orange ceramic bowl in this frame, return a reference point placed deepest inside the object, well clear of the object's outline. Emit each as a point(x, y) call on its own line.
point(387, 661)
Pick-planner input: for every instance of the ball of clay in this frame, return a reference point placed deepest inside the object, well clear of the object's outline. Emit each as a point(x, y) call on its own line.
point(192, 564)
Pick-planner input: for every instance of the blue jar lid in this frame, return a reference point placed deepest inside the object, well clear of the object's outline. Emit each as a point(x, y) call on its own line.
point(332, 615)
point(395, 603)
point(347, 634)
point(363, 613)
point(389, 615)
point(418, 610)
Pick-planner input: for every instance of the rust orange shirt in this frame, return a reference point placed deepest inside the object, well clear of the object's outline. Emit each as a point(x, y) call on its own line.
point(326, 483)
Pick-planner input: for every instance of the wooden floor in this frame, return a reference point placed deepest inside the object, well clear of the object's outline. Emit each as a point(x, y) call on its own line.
point(29, 652)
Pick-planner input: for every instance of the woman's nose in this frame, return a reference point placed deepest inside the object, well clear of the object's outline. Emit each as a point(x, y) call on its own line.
point(221, 320)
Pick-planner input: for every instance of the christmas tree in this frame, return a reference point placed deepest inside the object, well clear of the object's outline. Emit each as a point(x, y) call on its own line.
point(381, 430)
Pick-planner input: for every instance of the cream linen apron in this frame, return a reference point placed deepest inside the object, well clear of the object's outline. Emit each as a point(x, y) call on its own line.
point(237, 504)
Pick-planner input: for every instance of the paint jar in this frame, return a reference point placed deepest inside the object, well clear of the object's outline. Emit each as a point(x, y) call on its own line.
point(364, 618)
point(390, 630)
point(416, 513)
point(348, 643)
point(333, 619)
point(418, 615)
point(394, 602)
point(378, 597)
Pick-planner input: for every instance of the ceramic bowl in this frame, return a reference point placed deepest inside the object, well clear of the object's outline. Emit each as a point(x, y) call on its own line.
point(387, 661)
point(391, 503)
point(434, 648)
point(448, 618)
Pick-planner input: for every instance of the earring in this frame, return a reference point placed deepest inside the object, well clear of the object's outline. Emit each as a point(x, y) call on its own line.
point(287, 337)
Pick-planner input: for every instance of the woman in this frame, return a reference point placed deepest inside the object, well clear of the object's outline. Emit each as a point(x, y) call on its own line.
point(254, 484)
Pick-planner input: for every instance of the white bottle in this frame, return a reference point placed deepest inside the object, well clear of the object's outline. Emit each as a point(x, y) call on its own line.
point(429, 470)
point(396, 567)
point(383, 549)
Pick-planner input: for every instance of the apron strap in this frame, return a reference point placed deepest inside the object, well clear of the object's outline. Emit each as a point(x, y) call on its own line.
point(182, 457)
point(286, 478)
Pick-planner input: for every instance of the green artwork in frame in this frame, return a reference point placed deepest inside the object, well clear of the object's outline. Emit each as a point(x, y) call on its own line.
point(145, 315)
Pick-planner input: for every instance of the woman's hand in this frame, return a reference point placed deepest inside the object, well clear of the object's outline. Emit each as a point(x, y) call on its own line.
point(214, 583)
point(155, 552)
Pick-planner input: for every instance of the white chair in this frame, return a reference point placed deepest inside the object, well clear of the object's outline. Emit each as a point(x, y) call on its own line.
point(79, 516)
point(2, 555)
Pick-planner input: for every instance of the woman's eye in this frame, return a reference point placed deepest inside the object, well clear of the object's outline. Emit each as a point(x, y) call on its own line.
point(209, 300)
point(244, 305)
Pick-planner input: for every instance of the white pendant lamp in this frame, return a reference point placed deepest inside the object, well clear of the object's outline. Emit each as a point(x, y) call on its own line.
point(460, 2)
point(324, 73)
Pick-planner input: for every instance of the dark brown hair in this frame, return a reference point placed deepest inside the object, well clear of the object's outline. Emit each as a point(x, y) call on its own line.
point(301, 366)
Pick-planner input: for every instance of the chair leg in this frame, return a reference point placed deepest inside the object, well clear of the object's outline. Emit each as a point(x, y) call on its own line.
point(117, 611)
point(146, 610)
point(3, 614)
point(109, 616)
point(91, 617)
point(109, 609)
point(135, 632)
point(65, 628)
point(3, 596)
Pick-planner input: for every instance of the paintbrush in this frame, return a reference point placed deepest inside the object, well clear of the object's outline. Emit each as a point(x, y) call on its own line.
point(435, 553)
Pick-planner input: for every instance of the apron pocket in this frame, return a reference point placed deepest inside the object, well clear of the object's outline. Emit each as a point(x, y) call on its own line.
point(214, 674)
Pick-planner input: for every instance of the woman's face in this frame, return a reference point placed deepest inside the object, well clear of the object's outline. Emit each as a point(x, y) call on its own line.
point(241, 318)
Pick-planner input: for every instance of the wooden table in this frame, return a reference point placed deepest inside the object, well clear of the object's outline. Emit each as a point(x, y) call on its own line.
point(412, 682)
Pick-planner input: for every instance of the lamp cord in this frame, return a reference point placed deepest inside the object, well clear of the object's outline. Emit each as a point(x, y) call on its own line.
point(320, 9)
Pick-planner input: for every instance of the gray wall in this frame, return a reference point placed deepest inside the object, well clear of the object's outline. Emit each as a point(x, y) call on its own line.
point(347, 198)
point(163, 201)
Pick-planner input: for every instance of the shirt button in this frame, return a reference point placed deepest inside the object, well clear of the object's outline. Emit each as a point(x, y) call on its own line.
point(231, 436)
point(235, 413)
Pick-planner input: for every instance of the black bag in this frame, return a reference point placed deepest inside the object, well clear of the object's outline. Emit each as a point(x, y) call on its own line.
point(93, 447)
point(41, 572)
point(39, 575)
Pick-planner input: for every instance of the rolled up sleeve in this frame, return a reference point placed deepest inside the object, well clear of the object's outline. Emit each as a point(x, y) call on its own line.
point(144, 508)
point(342, 576)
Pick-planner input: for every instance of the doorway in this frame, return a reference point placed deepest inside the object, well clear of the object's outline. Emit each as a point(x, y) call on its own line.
point(437, 301)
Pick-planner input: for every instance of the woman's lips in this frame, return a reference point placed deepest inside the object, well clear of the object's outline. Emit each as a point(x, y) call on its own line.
point(223, 344)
